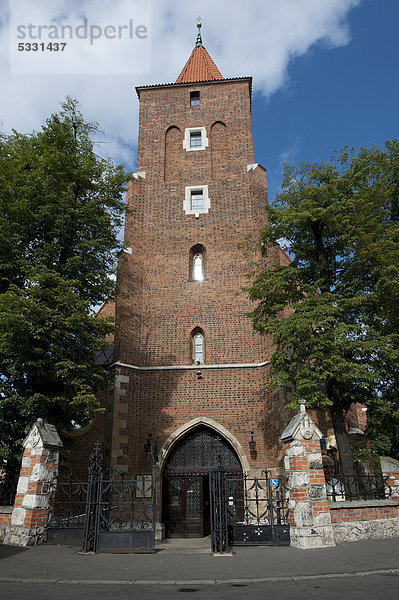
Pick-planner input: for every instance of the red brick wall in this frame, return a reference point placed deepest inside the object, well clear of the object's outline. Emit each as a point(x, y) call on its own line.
point(156, 295)
point(238, 399)
point(5, 518)
point(363, 513)
point(78, 446)
point(159, 306)
point(357, 416)
point(108, 310)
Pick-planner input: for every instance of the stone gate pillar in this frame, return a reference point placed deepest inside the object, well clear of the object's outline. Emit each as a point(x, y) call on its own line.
point(36, 484)
point(309, 513)
point(390, 469)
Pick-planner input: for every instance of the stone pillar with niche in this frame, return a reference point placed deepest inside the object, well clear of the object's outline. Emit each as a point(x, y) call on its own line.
point(309, 513)
point(36, 486)
point(390, 471)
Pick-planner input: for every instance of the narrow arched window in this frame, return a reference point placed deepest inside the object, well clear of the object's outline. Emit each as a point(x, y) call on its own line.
point(198, 270)
point(220, 145)
point(198, 346)
point(197, 263)
point(172, 151)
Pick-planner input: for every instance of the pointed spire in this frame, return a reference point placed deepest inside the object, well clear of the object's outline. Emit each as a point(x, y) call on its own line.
point(200, 66)
point(199, 38)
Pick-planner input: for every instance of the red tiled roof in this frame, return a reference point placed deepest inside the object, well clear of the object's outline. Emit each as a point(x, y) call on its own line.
point(199, 67)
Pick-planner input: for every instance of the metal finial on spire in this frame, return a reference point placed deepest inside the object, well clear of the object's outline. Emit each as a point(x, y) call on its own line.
point(199, 38)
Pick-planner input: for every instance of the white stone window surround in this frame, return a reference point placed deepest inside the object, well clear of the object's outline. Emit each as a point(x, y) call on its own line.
point(186, 140)
point(187, 200)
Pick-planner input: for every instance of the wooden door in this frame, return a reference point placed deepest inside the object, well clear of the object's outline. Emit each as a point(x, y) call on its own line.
point(184, 506)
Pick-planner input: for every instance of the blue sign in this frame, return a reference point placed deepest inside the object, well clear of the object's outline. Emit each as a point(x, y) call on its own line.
point(273, 482)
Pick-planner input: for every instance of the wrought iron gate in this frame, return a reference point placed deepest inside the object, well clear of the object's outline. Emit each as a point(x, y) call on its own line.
point(186, 506)
point(248, 511)
point(219, 511)
point(111, 511)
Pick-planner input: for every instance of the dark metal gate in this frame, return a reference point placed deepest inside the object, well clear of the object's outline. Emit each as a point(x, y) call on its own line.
point(219, 511)
point(248, 511)
point(111, 512)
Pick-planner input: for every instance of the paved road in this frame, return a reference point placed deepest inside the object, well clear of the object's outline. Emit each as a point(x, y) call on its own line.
point(358, 571)
point(361, 587)
point(55, 563)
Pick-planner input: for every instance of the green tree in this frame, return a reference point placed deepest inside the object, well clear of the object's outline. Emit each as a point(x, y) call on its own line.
point(61, 207)
point(332, 312)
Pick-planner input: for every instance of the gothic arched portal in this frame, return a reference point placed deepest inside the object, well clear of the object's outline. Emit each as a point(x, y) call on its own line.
point(186, 480)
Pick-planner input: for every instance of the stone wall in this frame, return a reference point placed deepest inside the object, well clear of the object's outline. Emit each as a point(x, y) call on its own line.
point(369, 519)
point(5, 520)
point(364, 520)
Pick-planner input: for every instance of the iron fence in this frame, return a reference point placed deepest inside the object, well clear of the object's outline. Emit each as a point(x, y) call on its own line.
point(248, 510)
point(120, 513)
point(67, 512)
point(358, 487)
point(257, 500)
point(110, 511)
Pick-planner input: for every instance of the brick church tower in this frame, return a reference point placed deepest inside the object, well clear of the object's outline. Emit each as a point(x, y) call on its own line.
point(191, 372)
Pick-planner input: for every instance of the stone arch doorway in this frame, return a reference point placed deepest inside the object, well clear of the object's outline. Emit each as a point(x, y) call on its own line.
point(185, 501)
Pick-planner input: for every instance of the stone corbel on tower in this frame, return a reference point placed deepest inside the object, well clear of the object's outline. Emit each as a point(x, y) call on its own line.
point(309, 516)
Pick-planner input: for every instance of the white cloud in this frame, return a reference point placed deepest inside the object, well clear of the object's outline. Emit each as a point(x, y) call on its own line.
point(257, 38)
point(289, 154)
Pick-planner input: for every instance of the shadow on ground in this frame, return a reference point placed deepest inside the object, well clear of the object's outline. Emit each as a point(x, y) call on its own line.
point(7, 551)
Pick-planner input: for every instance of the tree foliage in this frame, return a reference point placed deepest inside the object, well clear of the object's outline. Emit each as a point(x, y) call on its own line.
point(332, 312)
point(61, 207)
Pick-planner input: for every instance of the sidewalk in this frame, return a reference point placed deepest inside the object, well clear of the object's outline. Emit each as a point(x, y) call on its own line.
point(190, 561)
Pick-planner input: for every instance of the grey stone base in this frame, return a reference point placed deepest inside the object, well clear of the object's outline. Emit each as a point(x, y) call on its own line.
point(4, 510)
point(3, 531)
point(17, 535)
point(372, 529)
point(312, 537)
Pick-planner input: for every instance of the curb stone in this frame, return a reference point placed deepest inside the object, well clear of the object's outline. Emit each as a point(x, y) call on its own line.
point(195, 581)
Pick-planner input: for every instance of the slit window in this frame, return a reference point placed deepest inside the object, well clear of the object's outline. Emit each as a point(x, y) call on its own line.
point(198, 267)
point(194, 98)
point(198, 348)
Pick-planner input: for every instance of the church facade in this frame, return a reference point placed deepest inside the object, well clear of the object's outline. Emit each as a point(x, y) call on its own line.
point(191, 372)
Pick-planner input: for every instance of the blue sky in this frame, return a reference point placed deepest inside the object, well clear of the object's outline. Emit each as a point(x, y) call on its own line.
point(334, 97)
point(325, 71)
